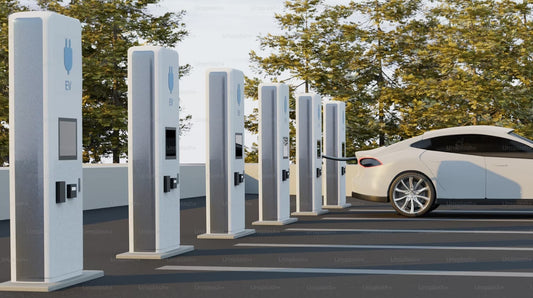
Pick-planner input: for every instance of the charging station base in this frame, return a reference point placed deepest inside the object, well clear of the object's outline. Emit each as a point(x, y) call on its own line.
point(309, 213)
point(85, 276)
point(156, 255)
point(240, 234)
point(343, 206)
point(275, 222)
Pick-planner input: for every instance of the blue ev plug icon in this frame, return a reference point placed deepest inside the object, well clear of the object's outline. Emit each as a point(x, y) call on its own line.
point(67, 55)
point(239, 99)
point(170, 79)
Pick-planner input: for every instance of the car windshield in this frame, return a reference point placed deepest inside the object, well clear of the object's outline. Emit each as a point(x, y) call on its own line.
point(521, 137)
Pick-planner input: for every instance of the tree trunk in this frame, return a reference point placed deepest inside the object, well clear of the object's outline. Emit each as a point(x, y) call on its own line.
point(115, 141)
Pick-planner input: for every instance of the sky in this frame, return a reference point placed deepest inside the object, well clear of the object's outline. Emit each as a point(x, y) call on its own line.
point(221, 34)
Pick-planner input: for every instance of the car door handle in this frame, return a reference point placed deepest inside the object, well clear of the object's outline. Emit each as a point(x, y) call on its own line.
point(501, 165)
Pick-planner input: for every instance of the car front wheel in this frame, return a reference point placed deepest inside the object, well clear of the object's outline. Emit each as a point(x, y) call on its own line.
point(412, 194)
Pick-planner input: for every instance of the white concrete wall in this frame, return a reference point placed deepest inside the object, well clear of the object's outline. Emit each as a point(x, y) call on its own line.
point(252, 176)
point(251, 181)
point(4, 193)
point(106, 185)
point(350, 173)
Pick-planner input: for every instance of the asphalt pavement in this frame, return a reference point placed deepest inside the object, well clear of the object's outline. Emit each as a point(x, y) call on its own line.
point(366, 250)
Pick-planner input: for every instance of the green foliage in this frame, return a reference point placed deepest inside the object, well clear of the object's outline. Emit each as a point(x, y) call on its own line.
point(405, 67)
point(470, 63)
point(251, 155)
point(110, 28)
point(321, 47)
point(7, 7)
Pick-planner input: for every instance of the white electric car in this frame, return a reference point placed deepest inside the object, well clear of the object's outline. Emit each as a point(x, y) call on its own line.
point(460, 165)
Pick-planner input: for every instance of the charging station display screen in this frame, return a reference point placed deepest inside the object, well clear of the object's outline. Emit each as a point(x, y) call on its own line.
point(343, 152)
point(170, 143)
point(318, 147)
point(285, 148)
point(68, 145)
point(238, 146)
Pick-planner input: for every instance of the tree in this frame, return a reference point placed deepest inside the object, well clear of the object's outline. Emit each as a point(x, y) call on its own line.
point(292, 55)
point(467, 63)
point(313, 52)
point(405, 67)
point(7, 7)
point(252, 155)
point(324, 49)
point(110, 28)
point(376, 36)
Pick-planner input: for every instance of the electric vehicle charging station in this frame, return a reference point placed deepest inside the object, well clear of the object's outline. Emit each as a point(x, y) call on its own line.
point(153, 169)
point(225, 205)
point(274, 151)
point(309, 155)
point(46, 198)
point(335, 146)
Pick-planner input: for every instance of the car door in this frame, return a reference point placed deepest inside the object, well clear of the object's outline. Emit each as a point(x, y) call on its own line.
point(509, 169)
point(459, 174)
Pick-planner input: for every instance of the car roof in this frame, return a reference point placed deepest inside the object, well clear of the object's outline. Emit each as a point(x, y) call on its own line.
point(459, 130)
point(475, 129)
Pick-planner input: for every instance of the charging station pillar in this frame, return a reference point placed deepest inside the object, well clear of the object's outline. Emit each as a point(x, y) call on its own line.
point(335, 146)
point(274, 151)
point(153, 155)
point(309, 155)
point(225, 205)
point(46, 198)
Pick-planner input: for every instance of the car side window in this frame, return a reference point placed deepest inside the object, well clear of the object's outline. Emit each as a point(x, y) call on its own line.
point(452, 144)
point(455, 144)
point(482, 145)
point(502, 147)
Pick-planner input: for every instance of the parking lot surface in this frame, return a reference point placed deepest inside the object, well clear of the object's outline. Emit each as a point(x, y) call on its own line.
point(366, 250)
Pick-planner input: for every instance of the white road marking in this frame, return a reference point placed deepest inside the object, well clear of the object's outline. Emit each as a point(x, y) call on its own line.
point(348, 271)
point(425, 219)
point(410, 231)
point(495, 212)
point(406, 247)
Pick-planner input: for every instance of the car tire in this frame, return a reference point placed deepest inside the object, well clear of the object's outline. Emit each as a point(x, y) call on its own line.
point(412, 194)
point(435, 206)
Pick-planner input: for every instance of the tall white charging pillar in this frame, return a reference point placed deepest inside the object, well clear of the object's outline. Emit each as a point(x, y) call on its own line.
point(274, 151)
point(46, 198)
point(335, 146)
point(309, 155)
point(153, 168)
point(224, 169)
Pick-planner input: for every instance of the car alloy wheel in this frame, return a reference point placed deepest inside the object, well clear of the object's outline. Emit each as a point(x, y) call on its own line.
point(412, 194)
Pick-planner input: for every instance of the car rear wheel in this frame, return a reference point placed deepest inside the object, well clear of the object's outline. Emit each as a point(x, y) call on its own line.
point(412, 194)
point(435, 206)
